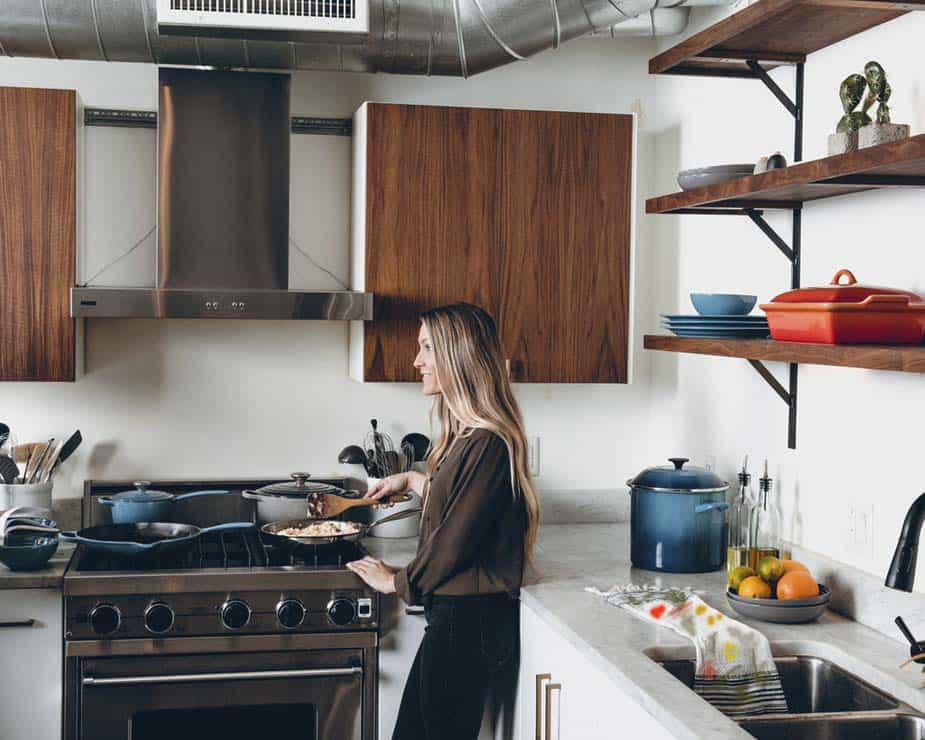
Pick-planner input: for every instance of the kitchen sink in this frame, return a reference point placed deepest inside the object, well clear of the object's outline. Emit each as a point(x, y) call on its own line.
point(813, 686)
point(842, 727)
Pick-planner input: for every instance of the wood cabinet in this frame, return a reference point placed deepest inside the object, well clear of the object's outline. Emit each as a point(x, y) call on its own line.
point(31, 669)
point(525, 213)
point(562, 695)
point(38, 220)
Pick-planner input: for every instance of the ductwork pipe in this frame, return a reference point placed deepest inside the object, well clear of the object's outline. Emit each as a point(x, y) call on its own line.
point(427, 37)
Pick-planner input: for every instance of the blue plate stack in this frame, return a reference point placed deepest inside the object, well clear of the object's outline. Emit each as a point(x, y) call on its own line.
point(720, 316)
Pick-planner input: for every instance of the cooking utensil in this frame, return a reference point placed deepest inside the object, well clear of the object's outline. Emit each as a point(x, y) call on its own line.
point(352, 455)
point(21, 455)
point(292, 499)
point(380, 444)
point(330, 505)
point(272, 529)
point(4, 433)
point(67, 449)
point(677, 519)
point(848, 313)
point(794, 611)
point(144, 538)
point(407, 457)
point(8, 469)
point(43, 474)
point(420, 443)
point(723, 304)
point(142, 505)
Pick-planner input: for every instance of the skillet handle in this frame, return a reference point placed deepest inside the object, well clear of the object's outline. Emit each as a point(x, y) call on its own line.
point(395, 517)
point(193, 494)
point(395, 498)
point(251, 496)
point(228, 526)
point(69, 536)
point(105, 501)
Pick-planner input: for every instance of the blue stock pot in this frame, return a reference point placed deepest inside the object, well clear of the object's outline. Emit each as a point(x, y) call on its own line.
point(678, 520)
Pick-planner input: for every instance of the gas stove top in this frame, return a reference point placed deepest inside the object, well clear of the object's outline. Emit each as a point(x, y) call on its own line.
point(228, 582)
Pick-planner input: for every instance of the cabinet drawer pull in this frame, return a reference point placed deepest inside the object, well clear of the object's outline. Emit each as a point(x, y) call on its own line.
point(550, 687)
point(414, 611)
point(540, 677)
point(18, 623)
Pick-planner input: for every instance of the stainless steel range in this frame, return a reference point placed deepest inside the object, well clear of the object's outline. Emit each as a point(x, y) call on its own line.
point(232, 639)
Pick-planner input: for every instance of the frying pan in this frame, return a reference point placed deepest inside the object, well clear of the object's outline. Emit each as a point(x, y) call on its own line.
point(144, 538)
point(272, 530)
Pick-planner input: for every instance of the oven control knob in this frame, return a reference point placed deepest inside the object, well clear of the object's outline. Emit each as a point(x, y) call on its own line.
point(104, 619)
point(342, 611)
point(158, 617)
point(290, 613)
point(235, 614)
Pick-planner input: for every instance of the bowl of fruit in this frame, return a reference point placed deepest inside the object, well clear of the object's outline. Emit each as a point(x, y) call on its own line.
point(777, 590)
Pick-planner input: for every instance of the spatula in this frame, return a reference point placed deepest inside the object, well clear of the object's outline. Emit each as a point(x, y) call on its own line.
point(327, 505)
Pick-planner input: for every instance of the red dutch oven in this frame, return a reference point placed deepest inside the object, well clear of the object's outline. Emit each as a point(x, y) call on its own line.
point(847, 313)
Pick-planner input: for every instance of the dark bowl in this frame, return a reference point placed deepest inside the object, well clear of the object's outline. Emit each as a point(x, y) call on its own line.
point(795, 611)
point(28, 552)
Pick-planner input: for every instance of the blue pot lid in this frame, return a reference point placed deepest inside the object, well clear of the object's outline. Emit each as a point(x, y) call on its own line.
point(676, 478)
point(142, 495)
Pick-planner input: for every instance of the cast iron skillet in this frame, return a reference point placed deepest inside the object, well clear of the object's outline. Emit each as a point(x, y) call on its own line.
point(144, 538)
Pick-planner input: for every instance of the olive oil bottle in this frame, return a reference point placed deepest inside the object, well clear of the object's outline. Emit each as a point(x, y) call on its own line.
point(764, 536)
point(739, 519)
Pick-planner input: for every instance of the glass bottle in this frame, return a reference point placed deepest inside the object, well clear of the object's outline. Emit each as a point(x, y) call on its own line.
point(765, 530)
point(739, 522)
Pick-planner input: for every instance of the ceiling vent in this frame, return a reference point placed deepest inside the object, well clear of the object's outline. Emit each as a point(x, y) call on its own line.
point(271, 20)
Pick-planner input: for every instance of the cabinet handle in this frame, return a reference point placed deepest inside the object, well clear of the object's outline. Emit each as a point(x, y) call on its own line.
point(414, 611)
point(550, 687)
point(540, 677)
point(18, 623)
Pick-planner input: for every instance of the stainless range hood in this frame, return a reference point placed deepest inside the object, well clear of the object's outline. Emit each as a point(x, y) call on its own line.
point(222, 209)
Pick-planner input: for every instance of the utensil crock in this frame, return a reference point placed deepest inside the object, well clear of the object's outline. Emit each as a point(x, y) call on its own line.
point(35, 495)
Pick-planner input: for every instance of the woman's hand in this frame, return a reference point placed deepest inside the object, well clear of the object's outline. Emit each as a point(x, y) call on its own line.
point(375, 573)
point(398, 483)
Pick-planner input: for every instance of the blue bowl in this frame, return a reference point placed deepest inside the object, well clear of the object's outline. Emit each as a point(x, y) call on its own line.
point(723, 304)
point(28, 553)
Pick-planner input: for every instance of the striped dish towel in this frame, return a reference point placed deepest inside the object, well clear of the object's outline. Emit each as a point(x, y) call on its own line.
point(735, 671)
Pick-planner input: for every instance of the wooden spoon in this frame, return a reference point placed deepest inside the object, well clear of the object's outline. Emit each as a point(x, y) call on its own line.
point(327, 505)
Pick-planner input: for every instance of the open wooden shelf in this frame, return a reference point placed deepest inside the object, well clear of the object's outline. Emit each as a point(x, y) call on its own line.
point(896, 164)
point(905, 358)
point(776, 32)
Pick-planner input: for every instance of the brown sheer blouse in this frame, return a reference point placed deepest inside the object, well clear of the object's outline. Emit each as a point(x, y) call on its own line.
point(472, 528)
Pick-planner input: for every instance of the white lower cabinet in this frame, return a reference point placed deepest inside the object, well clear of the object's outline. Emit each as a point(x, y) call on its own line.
point(30, 664)
point(561, 695)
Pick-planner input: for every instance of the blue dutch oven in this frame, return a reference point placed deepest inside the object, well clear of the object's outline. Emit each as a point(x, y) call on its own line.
point(678, 520)
point(142, 505)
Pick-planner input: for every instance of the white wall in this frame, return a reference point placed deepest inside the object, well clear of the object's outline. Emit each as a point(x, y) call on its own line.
point(242, 398)
point(859, 439)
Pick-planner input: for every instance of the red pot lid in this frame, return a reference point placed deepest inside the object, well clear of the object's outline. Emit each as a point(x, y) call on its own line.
point(837, 292)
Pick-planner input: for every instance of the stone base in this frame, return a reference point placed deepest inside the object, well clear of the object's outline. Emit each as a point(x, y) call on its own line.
point(881, 133)
point(843, 142)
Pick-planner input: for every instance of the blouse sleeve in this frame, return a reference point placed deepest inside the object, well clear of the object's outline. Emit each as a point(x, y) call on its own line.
point(474, 504)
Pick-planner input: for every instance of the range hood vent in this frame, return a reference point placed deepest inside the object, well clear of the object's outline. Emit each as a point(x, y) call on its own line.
point(222, 209)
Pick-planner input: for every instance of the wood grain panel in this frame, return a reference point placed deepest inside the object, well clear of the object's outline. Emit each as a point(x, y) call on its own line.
point(567, 191)
point(37, 233)
point(865, 169)
point(907, 358)
point(432, 223)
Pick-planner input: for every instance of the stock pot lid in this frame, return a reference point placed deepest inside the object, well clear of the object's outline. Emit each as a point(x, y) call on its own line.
point(141, 494)
point(676, 478)
point(300, 486)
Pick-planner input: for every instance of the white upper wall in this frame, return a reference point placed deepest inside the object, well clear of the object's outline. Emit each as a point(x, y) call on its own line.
point(859, 432)
point(253, 398)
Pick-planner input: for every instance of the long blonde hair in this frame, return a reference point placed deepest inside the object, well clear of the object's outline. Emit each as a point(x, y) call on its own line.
point(476, 394)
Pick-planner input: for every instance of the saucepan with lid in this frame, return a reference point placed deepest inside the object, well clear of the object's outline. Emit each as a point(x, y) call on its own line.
point(678, 519)
point(291, 499)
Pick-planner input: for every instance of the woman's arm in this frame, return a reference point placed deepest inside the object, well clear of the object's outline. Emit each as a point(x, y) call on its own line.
point(398, 483)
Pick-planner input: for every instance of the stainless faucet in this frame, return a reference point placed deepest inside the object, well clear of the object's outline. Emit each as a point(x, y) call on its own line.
point(901, 574)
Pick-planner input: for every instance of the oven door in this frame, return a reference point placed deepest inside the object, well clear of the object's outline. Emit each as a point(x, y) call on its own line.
point(232, 693)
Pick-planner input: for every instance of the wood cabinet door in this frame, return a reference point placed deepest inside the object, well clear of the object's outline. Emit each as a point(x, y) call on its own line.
point(37, 233)
point(565, 245)
point(431, 223)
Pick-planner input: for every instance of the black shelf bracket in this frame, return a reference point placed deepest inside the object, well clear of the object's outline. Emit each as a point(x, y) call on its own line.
point(788, 396)
point(794, 107)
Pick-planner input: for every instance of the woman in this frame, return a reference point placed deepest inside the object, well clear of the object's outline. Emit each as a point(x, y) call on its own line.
point(477, 530)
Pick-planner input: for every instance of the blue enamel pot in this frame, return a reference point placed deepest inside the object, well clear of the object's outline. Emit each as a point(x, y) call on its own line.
point(142, 505)
point(678, 519)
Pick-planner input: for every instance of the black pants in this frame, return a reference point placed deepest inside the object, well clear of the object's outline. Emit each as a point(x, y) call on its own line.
point(468, 641)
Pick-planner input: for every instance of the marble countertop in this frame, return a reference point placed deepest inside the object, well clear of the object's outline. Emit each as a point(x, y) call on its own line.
point(50, 576)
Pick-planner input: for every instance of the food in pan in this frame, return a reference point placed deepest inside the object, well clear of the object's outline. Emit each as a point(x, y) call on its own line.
point(321, 529)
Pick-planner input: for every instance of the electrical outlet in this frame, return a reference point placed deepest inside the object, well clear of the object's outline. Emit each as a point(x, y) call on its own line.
point(533, 456)
point(860, 529)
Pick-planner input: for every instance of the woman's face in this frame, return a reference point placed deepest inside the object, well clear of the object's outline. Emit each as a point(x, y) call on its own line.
point(425, 363)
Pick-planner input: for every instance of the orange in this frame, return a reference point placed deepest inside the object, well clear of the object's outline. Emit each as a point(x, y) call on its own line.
point(797, 584)
point(754, 587)
point(792, 565)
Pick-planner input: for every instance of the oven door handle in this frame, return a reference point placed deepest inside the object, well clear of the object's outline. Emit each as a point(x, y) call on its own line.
point(211, 677)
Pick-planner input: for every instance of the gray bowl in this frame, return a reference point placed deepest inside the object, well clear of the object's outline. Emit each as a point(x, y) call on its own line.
point(796, 611)
point(700, 177)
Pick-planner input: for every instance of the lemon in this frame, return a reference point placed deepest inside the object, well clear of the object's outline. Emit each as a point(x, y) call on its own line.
point(770, 569)
point(738, 575)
